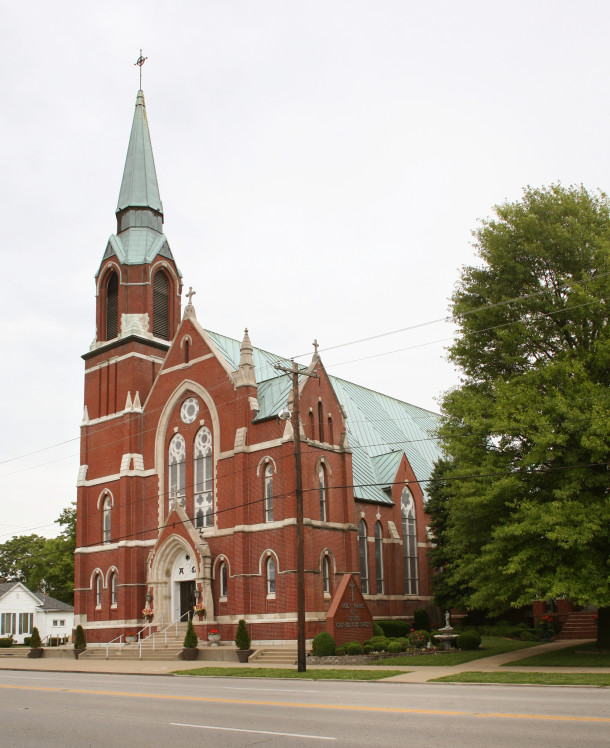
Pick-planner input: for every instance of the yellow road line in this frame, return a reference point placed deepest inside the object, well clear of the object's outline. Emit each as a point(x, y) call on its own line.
point(301, 705)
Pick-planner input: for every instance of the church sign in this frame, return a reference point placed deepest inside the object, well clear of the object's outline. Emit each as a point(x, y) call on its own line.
point(349, 618)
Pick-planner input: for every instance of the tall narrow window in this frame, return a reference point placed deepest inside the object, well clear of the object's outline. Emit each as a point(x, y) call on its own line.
point(409, 543)
point(25, 623)
point(113, 589)
point(186, 351)
point(379, 557)
point(112, 306)
point(107, 511)
point(98, 590)
point(312, 428)
point(177, 460)
point(7, 623)
point(269, 492)
point(322, 490)
point(326, 574)
point(364, 557)
point(270, 567)
point(204, 493)
point(223, 579)
point(161, 306)
point(331, 436)
point(320, 422)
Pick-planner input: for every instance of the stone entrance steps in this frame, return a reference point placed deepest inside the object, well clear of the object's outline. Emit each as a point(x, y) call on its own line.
point(14, 652)
point(275, 656)
point(581, 624)
point(166, 646)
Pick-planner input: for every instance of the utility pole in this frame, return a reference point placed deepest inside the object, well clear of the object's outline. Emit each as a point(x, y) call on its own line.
point(296, 428)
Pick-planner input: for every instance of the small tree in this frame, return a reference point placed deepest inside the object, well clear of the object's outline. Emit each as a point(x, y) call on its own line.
point(80, 641)
point(323, 645)
point(190, 640)
point(242, 637)
point(35, 642)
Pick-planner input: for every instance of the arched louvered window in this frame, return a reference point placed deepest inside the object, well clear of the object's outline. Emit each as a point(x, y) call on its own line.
point(269, 492)
point(364, 557)
point(409, 543)
point(112, 306)
point(379, 557)
point(107, 512)
point(177, 462)
point(204, 493)
point(161, 306)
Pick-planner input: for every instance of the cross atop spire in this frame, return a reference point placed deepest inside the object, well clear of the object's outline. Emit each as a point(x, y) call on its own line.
point(315, 346)
point(139, 62)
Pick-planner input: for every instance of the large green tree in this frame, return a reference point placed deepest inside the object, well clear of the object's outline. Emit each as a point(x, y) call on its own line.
point(521, 499)
point(43, 564)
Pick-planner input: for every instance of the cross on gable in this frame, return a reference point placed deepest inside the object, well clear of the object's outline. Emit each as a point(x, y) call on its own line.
point(351, 585)
point(190, 294)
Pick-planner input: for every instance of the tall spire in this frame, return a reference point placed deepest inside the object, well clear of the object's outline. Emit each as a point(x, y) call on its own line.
point(139, 188)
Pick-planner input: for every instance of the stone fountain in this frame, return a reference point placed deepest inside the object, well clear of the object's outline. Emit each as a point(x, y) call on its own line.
point(446, 636)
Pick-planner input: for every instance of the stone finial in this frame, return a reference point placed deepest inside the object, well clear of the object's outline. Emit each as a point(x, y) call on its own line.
point(189, 309)
point(245, 376)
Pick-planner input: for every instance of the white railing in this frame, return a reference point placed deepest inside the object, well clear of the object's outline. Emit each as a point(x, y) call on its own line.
point(112, 641)
point(163, 633)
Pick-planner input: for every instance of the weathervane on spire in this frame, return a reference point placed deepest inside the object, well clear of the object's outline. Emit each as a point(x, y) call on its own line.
point(139, 62)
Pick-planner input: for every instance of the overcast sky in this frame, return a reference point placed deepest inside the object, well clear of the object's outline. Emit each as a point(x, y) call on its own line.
point(321, 164)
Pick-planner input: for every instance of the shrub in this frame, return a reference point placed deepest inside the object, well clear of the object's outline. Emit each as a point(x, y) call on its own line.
point(421, 620)
point(6, 641)
point(395, 647)
point(377, 630)
point(340, 651)
point(367, 649)
point(35, 642)
point(80, 641)
point(27, 640)
point(379, 643)
point(530, 636)
point(190, 639)
point(468, 640)
point(419, 639)
point(353, 648)
point(395, 628)
point(323, 645)
point(404, 643)
point(242, 637)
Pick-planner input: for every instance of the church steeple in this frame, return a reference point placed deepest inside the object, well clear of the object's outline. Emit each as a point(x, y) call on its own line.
point(139, 200)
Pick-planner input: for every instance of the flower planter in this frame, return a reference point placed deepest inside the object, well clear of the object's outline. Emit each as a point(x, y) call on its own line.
point(244, 654)
point(78, 652)
point(129, 639)
point(190, 654)
point(36, 652)
point(214, 639)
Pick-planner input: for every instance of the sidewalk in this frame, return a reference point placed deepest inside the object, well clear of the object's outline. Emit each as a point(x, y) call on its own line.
point(415, 674)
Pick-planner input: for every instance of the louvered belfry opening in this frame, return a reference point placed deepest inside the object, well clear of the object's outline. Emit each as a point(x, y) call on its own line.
point(112, 307)
point(161, 306)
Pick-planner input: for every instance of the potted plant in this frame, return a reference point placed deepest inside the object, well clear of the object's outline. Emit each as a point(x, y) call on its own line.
point(131, 637)
point(242, 641)
point(80, 641)
point(199, 609)
point(213, 637)
point(36, 649)
point(189, 647)
point(147, 614)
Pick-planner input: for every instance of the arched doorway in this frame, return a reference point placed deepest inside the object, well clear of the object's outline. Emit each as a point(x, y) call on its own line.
point(183, 576)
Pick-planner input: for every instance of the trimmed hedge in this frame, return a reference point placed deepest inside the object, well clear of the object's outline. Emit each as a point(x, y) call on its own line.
point(6, 642)
point(377, 630)
point(421, 620)
point(353, 648)
point(242, 637)
point(340, 652)
point(468, 640)
point(323, 645)
point(395, 628)
point(395, 647)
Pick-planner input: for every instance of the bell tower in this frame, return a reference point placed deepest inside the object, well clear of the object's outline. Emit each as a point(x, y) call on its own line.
point(138, 288)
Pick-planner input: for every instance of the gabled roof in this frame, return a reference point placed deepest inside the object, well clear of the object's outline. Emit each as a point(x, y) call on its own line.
point(380, 429)
point(46, 602)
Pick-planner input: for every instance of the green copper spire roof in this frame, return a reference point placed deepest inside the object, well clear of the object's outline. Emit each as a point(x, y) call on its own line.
point(139, 188)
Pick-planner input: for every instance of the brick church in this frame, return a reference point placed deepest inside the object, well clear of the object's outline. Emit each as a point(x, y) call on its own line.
point(186, 486)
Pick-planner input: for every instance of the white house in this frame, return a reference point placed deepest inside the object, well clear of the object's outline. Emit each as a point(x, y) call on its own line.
point(21, 610)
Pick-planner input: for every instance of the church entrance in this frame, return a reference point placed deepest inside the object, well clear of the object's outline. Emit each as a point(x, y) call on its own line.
point(187, 600)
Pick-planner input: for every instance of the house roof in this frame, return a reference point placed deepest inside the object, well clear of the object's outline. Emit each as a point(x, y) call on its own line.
point(380, 429)
point(47, 602)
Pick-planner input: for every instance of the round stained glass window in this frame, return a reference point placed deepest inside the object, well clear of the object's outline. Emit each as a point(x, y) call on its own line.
point(189, 410)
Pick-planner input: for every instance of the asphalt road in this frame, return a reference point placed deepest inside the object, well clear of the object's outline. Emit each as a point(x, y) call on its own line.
point(78, 709)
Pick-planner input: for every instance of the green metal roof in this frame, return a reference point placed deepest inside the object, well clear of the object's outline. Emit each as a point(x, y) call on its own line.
point(379, 428)
point(138, 245)
point(139, 188)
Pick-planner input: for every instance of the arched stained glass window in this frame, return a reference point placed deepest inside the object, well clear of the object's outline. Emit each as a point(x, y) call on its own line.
point(98, 590)
point(113, 588)
point(270, 569)
point(409, 543)
point(204, 480)
point(177, 462)
point(379, 557)
point(106, 521)
point(322, 489)
point(326, 574)
point(364, 557)
point(223, 576)
point(161, 305)
point(269, 492)
point(112, 306)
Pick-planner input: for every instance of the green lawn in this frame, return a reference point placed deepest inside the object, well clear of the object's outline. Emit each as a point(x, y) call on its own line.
point(581, 655)
point(543, 679)
point(271, 672)
point(490, 645)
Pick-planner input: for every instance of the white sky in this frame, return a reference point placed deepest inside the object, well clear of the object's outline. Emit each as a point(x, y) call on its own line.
point(321, 166)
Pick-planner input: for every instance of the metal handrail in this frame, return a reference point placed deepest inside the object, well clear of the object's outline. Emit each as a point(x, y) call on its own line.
point(164, 632)
point(149, 627)
point(112, 641)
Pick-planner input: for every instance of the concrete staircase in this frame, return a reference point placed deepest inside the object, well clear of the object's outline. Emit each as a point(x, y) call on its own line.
point(274, 656)
point(581, 624)
point(14, 652)
point(163, 646)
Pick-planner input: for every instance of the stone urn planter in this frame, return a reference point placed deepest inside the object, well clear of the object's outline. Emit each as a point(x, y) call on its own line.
point(214, 639)
point(244, 654)
point(131, 639)
point(36, 652)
